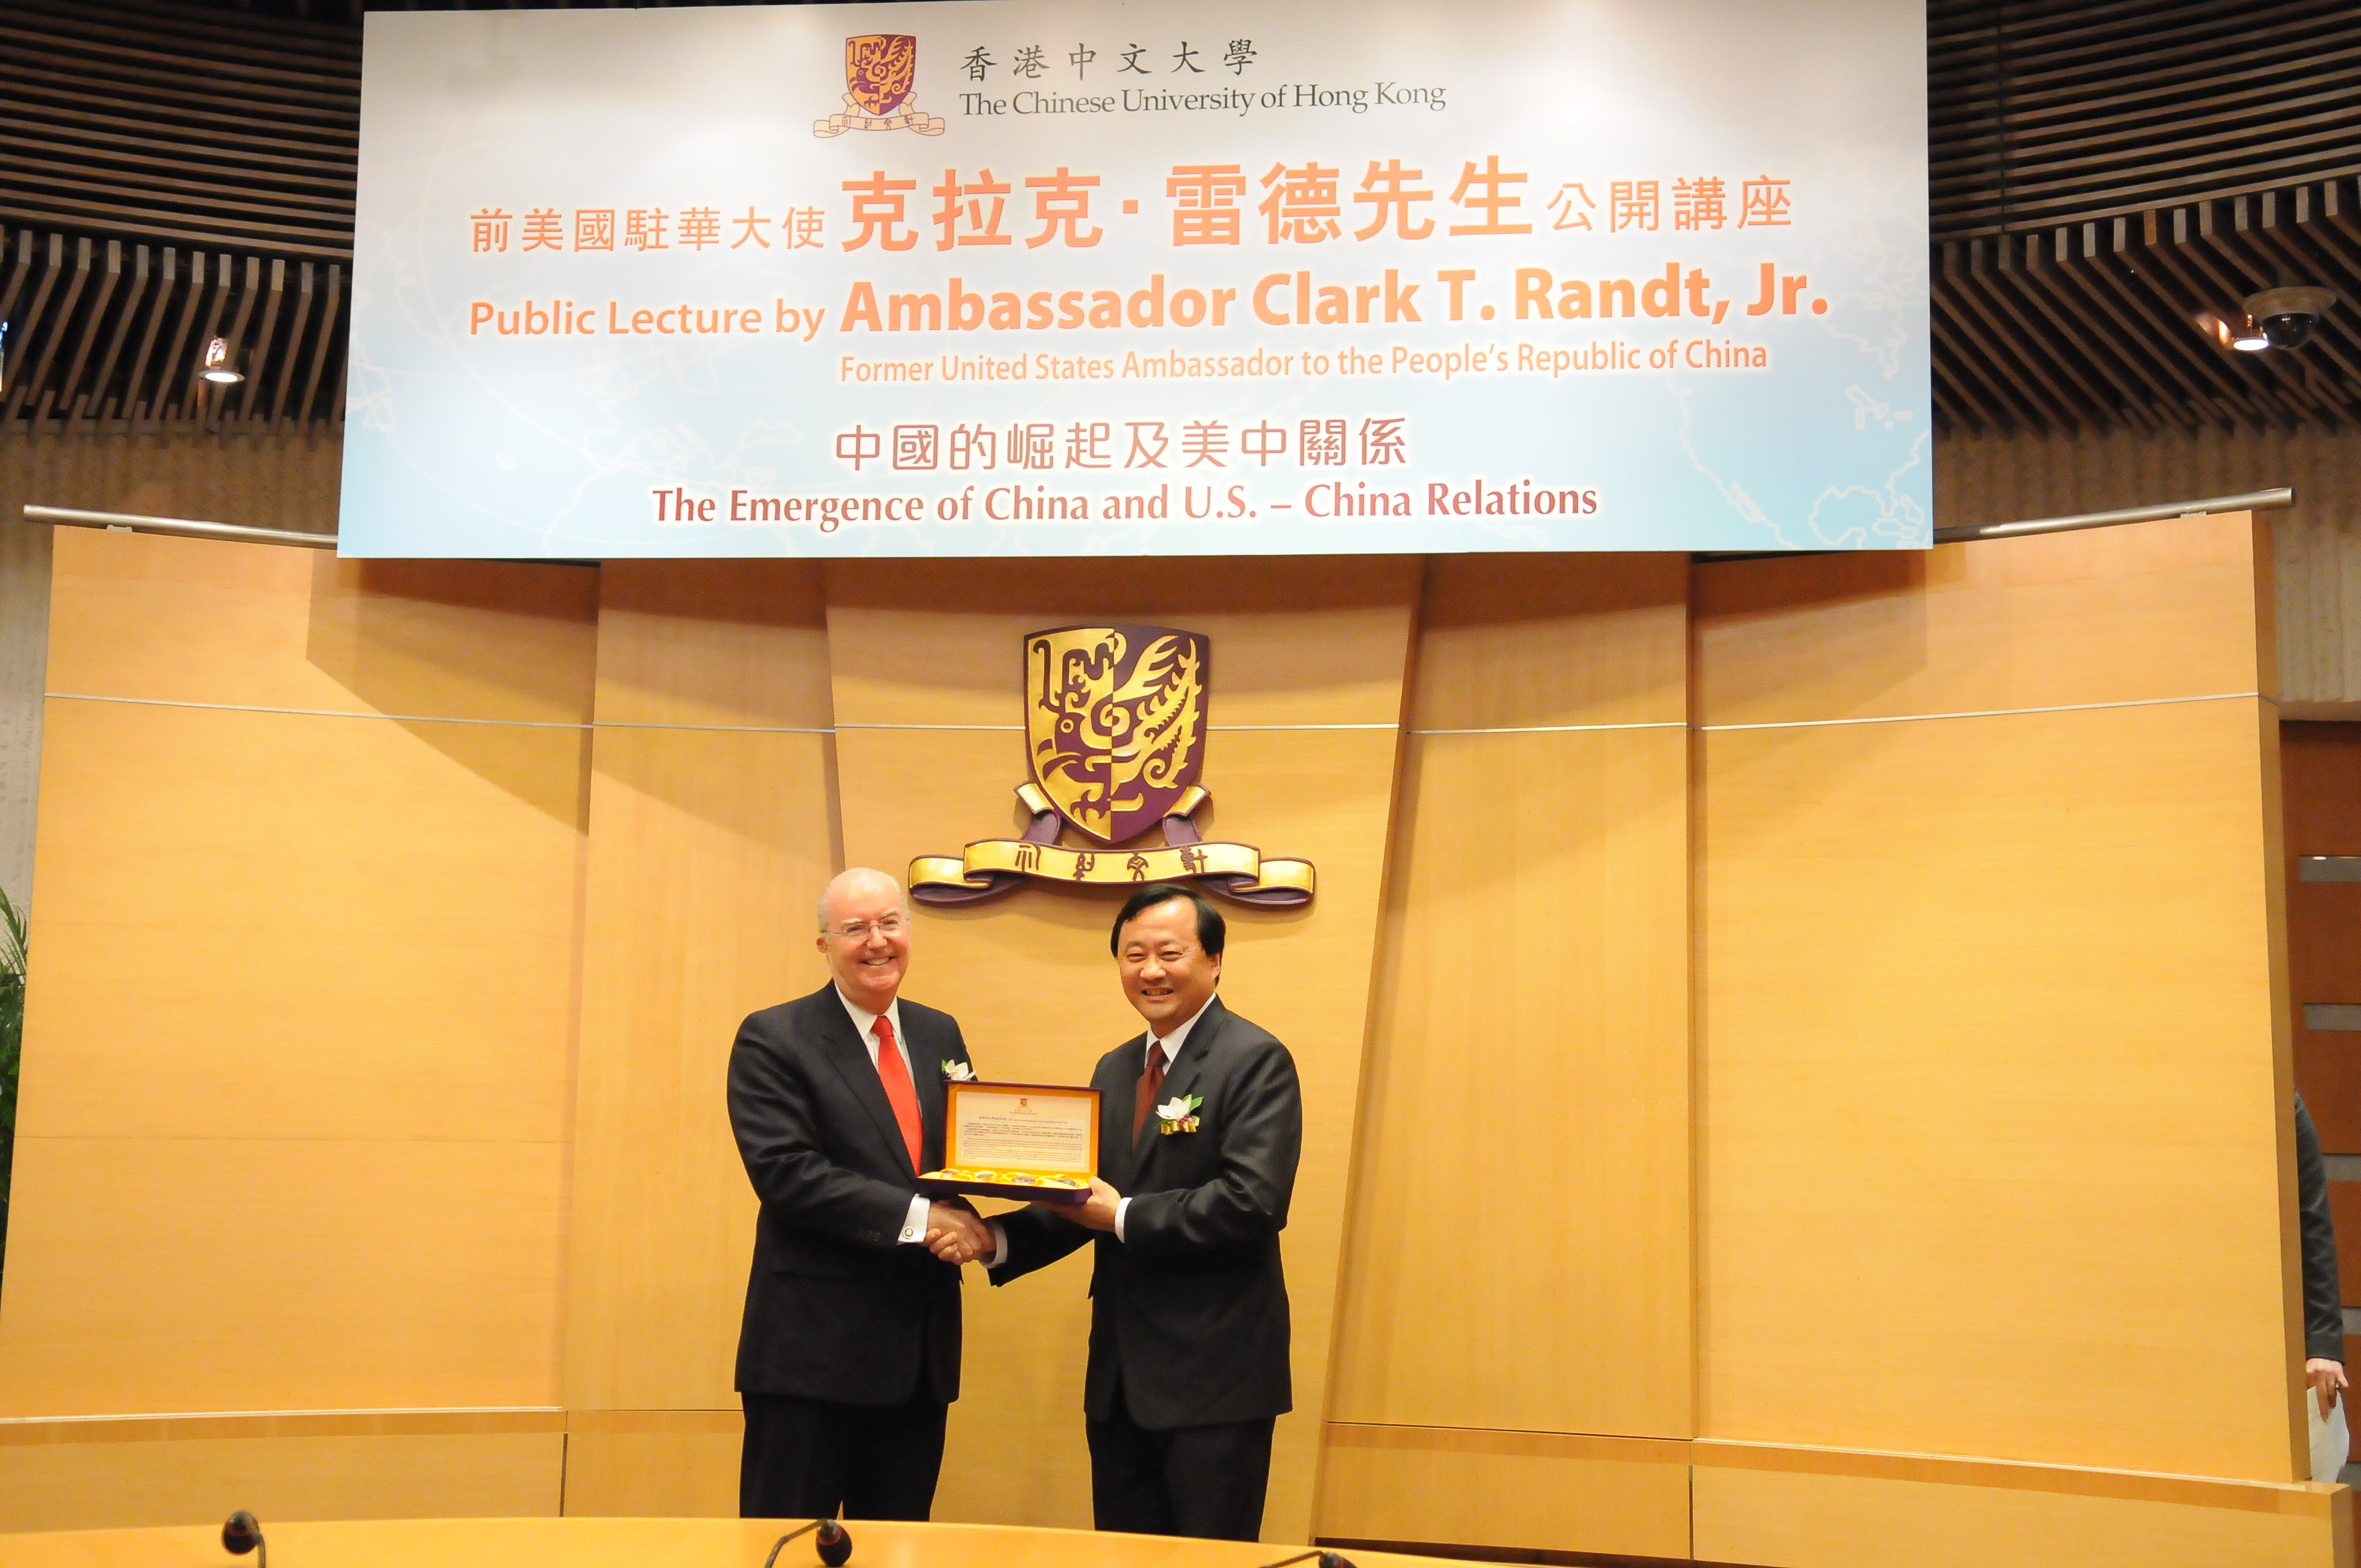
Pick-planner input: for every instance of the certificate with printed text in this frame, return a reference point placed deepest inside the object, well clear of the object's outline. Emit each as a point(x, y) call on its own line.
point(1018, 1140)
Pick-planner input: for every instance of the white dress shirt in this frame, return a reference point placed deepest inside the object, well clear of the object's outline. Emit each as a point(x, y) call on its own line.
point(864, 1024)
point(1170, 1046)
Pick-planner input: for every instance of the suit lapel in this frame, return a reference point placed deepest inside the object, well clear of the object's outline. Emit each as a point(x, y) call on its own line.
point(1118, 1150)
point(1179, 1079)
point(848, 1054)
point(926, 1078)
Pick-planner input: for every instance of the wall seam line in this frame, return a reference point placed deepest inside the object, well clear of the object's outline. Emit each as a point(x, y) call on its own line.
point(1560, 729)
point(1988, 712)
point(273, 1415)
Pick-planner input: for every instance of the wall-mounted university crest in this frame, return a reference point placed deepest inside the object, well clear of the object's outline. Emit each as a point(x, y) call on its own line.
point(1116, 719)
point(1116, 731)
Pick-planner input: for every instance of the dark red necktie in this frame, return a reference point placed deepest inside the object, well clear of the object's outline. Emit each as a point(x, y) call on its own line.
point(900, 1091)
point(1150, 1082)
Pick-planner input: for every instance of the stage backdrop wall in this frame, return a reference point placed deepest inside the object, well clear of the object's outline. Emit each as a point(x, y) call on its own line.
point(1820, 1026)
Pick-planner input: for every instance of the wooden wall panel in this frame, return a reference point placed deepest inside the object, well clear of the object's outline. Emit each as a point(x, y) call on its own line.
point(711, 835)
point(302, 1008)
point(2161, 611)
point(1530, 1024)
point(2317, 541)
point(512, 1466)
point(2323, 771)
point(1992, 1065)
point(918, 648)
point(210, 1272)
point(1967, 1516)
point(651, 1464)
point(1452, 1486)
point(289, 484)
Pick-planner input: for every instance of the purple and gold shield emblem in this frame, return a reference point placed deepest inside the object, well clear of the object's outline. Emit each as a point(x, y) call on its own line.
point(879, 69)
point(1115, 719)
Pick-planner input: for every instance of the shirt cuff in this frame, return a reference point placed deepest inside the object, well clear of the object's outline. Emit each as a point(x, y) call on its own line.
point(999, 1245)
point(1122, 1205)
point(913, 1227)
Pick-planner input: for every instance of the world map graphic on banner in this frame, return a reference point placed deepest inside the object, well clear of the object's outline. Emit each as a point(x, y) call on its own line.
point(1032, 279)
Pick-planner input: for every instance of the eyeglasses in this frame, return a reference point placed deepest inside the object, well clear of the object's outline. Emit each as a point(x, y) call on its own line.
point(858, 930)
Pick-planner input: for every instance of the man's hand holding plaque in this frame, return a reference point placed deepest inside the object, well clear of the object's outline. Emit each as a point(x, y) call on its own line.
point(1015, 1140)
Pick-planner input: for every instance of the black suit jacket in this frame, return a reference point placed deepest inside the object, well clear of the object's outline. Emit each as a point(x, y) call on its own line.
point(835, 1309)
point(2323, 1301)
point(1189, 1311)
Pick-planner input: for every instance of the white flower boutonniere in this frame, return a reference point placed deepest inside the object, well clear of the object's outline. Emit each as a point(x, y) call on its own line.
point(957, 1072)
point(1177, 1116)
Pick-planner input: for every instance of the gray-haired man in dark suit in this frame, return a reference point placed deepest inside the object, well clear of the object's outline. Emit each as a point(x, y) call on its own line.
point(850, 1356)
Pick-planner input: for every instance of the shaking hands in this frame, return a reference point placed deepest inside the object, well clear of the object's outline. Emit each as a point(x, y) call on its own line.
point(957, 1234)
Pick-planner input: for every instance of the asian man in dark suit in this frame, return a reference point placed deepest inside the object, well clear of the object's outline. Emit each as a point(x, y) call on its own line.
point(1202, 1125)
point(848, 1357)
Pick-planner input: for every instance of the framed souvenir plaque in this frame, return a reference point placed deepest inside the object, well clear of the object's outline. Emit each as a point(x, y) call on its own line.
point(1035, 1140)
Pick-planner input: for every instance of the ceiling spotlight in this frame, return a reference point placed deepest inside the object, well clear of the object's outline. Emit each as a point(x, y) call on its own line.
point(218, 366)
point(2288, 316)
point(2237, 330)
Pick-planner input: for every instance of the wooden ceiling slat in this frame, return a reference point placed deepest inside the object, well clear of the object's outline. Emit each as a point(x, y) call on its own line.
point(31, 326)
point(47, 175)
point(2090, 292)
point(94, 400)
point(171, 373)
point(1991, 393)
point(16, 275)
point(2112, 109)
point(199, 27)
point(2040, 349)
point(110, 274)
point(273, 298)
point(307, 93)
point(1994, 342)
point(1949, 402)
point(304, 299)
point(319, 341)
point(45, 347)
point(135, 223)
point(292, 146)
point(243, 69)
point(190, 102)
point(2042, 291)
point(216, 396)
point(335, 182)
point(132, 401)
point(187, 124)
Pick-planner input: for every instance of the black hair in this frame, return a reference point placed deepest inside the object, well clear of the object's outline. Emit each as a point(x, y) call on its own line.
point(1212, 930)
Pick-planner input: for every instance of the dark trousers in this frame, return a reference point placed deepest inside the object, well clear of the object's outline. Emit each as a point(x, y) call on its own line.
point(809, 1458)
point(1200, 1481)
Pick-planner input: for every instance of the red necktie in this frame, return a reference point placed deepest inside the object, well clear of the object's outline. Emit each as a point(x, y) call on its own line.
point(1150, 1082)
point(900, 1091)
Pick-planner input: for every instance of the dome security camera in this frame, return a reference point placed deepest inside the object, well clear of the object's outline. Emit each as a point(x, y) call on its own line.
point(2288, 316)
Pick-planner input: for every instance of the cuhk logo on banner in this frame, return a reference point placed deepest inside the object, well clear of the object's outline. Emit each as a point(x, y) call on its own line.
point(880, 71)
